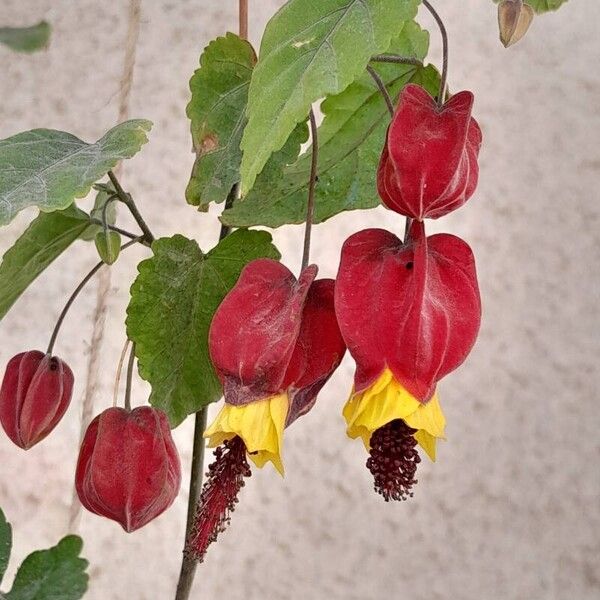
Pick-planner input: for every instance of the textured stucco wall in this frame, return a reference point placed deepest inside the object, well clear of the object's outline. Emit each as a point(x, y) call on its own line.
point(511, 510)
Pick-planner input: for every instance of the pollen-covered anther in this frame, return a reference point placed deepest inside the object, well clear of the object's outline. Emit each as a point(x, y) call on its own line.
point(224, 480)
point(393, 460)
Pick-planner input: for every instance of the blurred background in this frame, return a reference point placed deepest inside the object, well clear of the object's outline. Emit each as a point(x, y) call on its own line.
point(511, 509)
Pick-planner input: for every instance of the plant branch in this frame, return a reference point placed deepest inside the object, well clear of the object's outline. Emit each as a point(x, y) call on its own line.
point(444, 78)
point(74, 295)
point(397, 59)
point(128, 201)
point(188, 564)
point(243, 19)
point(132, 236)
point(381, 85)
point(310, 203)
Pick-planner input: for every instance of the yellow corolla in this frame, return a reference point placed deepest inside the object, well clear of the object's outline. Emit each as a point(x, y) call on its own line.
point(387, 400)
point(260, 424)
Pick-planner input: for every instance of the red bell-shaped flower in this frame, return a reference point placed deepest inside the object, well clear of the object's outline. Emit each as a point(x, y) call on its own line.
point(409, 313)
point(428, 167)
point(36, 392)
point(128, 468)
point(274, 342)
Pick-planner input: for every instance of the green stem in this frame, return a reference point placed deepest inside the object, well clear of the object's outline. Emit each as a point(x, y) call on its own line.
point(128, 201)
point(310, 203)
point(129, 379)
point(74, 295)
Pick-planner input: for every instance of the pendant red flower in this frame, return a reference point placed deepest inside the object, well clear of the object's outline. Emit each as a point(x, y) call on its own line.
point(274, 342)
point(429, 167)
point(409, 313)
point(35, 394)
point(128, 468)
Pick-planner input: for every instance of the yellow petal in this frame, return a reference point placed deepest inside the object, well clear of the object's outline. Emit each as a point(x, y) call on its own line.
point(427, 442)
point(386, 400)
point(428, 417)
point(260, 424)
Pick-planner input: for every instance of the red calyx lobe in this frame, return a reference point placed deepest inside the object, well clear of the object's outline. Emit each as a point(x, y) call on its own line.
point(35, 394)
point(412, 307)
point(128, 468)
point(273, 333)
point(428, 166)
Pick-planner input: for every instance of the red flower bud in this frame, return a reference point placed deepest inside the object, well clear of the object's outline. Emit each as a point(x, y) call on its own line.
point(413, 308)
point(36, 392)
point(128, 468)
point(428, 167)
point(273, 333)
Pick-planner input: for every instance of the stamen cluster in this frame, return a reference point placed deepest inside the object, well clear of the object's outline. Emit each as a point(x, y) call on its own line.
point(224, 480)
point(393, 460)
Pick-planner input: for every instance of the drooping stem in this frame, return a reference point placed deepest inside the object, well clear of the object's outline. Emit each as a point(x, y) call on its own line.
point(128, 201)
point(381, 85)
point(119, 370)
point(397, 59)
point(129, 378)
point(74, 295)
point(312, 183)
point(442, 27)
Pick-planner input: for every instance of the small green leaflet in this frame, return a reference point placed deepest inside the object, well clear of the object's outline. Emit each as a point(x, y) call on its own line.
point(26, 39)
point(54, 574)
point(5, 544)
point(350, 140)
point(172, 304)
point(48, 235)
point(217, 112)
point(310, 50)
point(49, 169)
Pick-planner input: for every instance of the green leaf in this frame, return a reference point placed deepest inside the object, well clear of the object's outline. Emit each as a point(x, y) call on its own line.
point(217, 112)
point(89, 235)
point(172, 304)
point(310, 50)
point(26, 39)
point(54, 574)
point(350, 140)
point(43, 241)
point(543, 6)
point(5, 544)
point(49, 169)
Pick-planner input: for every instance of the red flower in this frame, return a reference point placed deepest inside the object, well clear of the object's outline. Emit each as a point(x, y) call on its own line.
point(36, 392)
point(409, 314)
point(128, 468)
point(274, 342)
point(428, 167)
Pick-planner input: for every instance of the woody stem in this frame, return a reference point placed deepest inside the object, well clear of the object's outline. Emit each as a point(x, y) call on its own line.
point(310, 204)
point(444, 33)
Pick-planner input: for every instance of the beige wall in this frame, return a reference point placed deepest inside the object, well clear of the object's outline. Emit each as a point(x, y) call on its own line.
point(511, 510)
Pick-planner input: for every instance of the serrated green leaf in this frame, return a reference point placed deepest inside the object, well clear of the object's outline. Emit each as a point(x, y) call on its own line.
point(543, 6)
point(350, 140)
point(54, 574)
point(49, 169)
point(172, 304)
point(217, 112)
point(310, 50)
point(5, 544)
point(89, 235)
point(48, 235)
point(26, 39)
